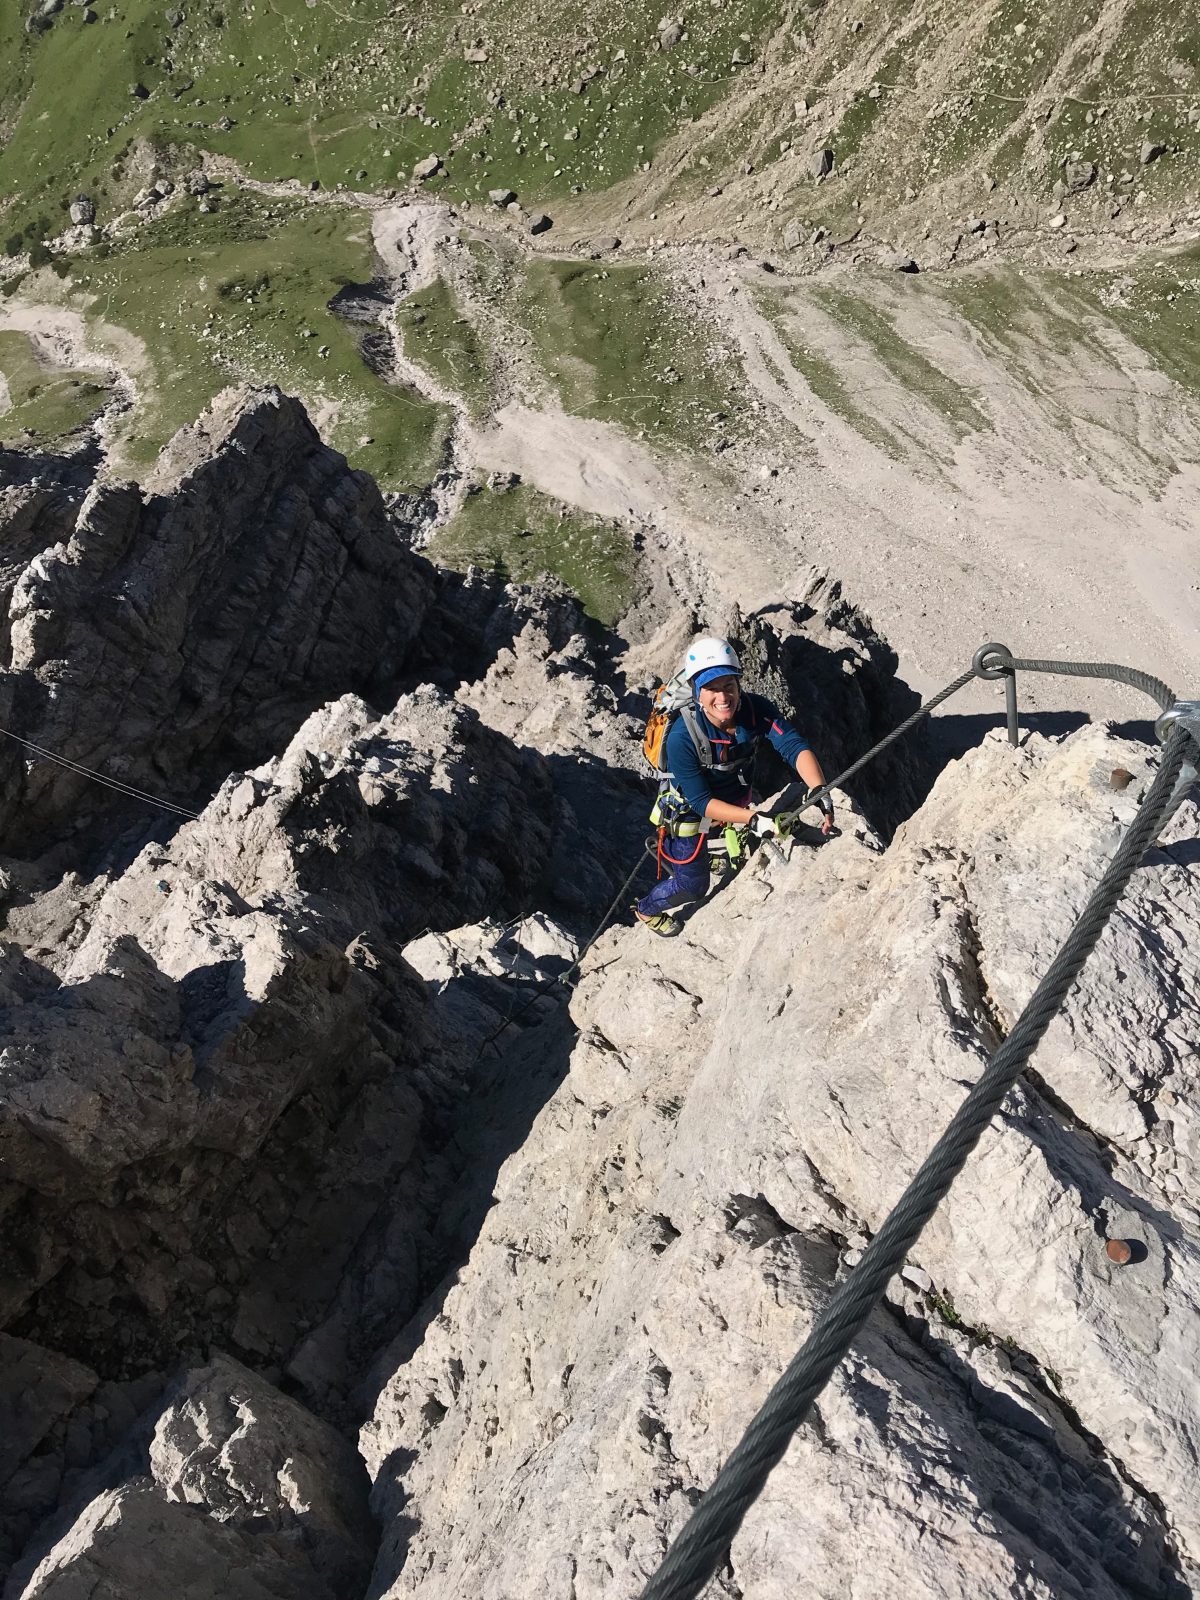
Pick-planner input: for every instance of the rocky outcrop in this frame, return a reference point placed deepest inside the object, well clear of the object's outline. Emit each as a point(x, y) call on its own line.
point(189, 1072)
point(226, 1485)
point(741, 1108)
point(186, 629)
point(263, 1072)
point(822, 658)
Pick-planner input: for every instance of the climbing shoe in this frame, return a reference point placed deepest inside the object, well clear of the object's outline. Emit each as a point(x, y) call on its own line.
point(661, 923)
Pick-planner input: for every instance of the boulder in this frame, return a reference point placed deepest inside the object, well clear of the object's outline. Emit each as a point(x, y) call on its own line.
point(898, 261)
point(229, 1473)
point(427, 167)
point(820, 163)
point(502, 197)
point(129, 1537)
point(540, 223)
point(1150, 151)
point(230, 1443)
point(1079, 175)
point(83, 210)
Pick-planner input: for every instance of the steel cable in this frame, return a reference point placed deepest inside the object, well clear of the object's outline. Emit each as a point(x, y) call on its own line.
point(1112, 670)
point(565, 977)
point(918, 715)
point(99, 777)
point(700, 1548)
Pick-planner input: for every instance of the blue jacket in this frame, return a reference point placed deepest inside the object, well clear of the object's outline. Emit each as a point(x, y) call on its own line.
point(756, 718)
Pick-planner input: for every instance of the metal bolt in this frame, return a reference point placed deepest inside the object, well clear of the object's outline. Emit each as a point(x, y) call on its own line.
point(1117, 1250)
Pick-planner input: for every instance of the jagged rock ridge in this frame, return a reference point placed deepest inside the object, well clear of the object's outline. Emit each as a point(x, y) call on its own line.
point(169, 636)
point(247, 1097)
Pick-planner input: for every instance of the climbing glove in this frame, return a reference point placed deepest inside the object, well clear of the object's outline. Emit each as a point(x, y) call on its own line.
point(762, 827)
point(824, 804)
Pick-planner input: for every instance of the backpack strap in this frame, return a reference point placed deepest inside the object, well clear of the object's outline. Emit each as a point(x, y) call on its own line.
point(692, 720)
point(705, 754)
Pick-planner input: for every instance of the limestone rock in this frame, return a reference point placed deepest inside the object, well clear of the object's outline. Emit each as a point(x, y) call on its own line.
point(182, 630)
point(261, 1482)
point(820, 163)
point(39, 1392)
point(1079, 175)
point(230, 1443)
point(82, 210)
point(540, 223)
point(130, 1537)
point(427, 167)
point(245, 999)
point(744, 1101)
point(502, 197)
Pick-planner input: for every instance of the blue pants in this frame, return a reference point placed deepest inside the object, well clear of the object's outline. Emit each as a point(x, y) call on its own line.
point(688, 880)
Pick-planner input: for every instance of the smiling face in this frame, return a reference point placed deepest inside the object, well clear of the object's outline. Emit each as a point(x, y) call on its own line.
point(719, 700)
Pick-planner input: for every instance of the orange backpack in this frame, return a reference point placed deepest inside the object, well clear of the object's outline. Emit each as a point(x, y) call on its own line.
point(672, 699)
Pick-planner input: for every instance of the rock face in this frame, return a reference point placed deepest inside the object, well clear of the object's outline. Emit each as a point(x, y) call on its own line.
point(263, 1070)
point(228, 1486)
point(178, 1063)
point(229, 1107)
point(742, 1107)
point(822, 658)
point(173, 635)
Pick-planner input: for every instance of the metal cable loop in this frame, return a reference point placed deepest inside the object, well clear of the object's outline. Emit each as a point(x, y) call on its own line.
point(701, 1547)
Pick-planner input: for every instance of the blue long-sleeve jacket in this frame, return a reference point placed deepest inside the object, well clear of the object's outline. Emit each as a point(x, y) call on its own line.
point(756, 718)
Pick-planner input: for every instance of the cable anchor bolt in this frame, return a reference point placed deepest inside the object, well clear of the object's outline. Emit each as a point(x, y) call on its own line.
point(992, 661)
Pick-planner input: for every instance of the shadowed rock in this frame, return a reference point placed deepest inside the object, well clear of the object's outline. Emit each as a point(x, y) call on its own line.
point(181, 630)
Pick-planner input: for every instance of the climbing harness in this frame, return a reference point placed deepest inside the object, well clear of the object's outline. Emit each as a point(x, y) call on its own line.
point(701, 1547)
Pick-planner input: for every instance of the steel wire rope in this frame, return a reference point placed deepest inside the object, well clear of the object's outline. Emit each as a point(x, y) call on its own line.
point(697, 1553)
point(99, 777)
point(897, 732)
point(565, 977)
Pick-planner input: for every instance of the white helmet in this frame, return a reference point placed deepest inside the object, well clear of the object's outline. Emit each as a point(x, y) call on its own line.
point(707, 652)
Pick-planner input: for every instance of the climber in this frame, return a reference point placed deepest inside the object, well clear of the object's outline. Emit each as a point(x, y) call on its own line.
point(705, 805)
